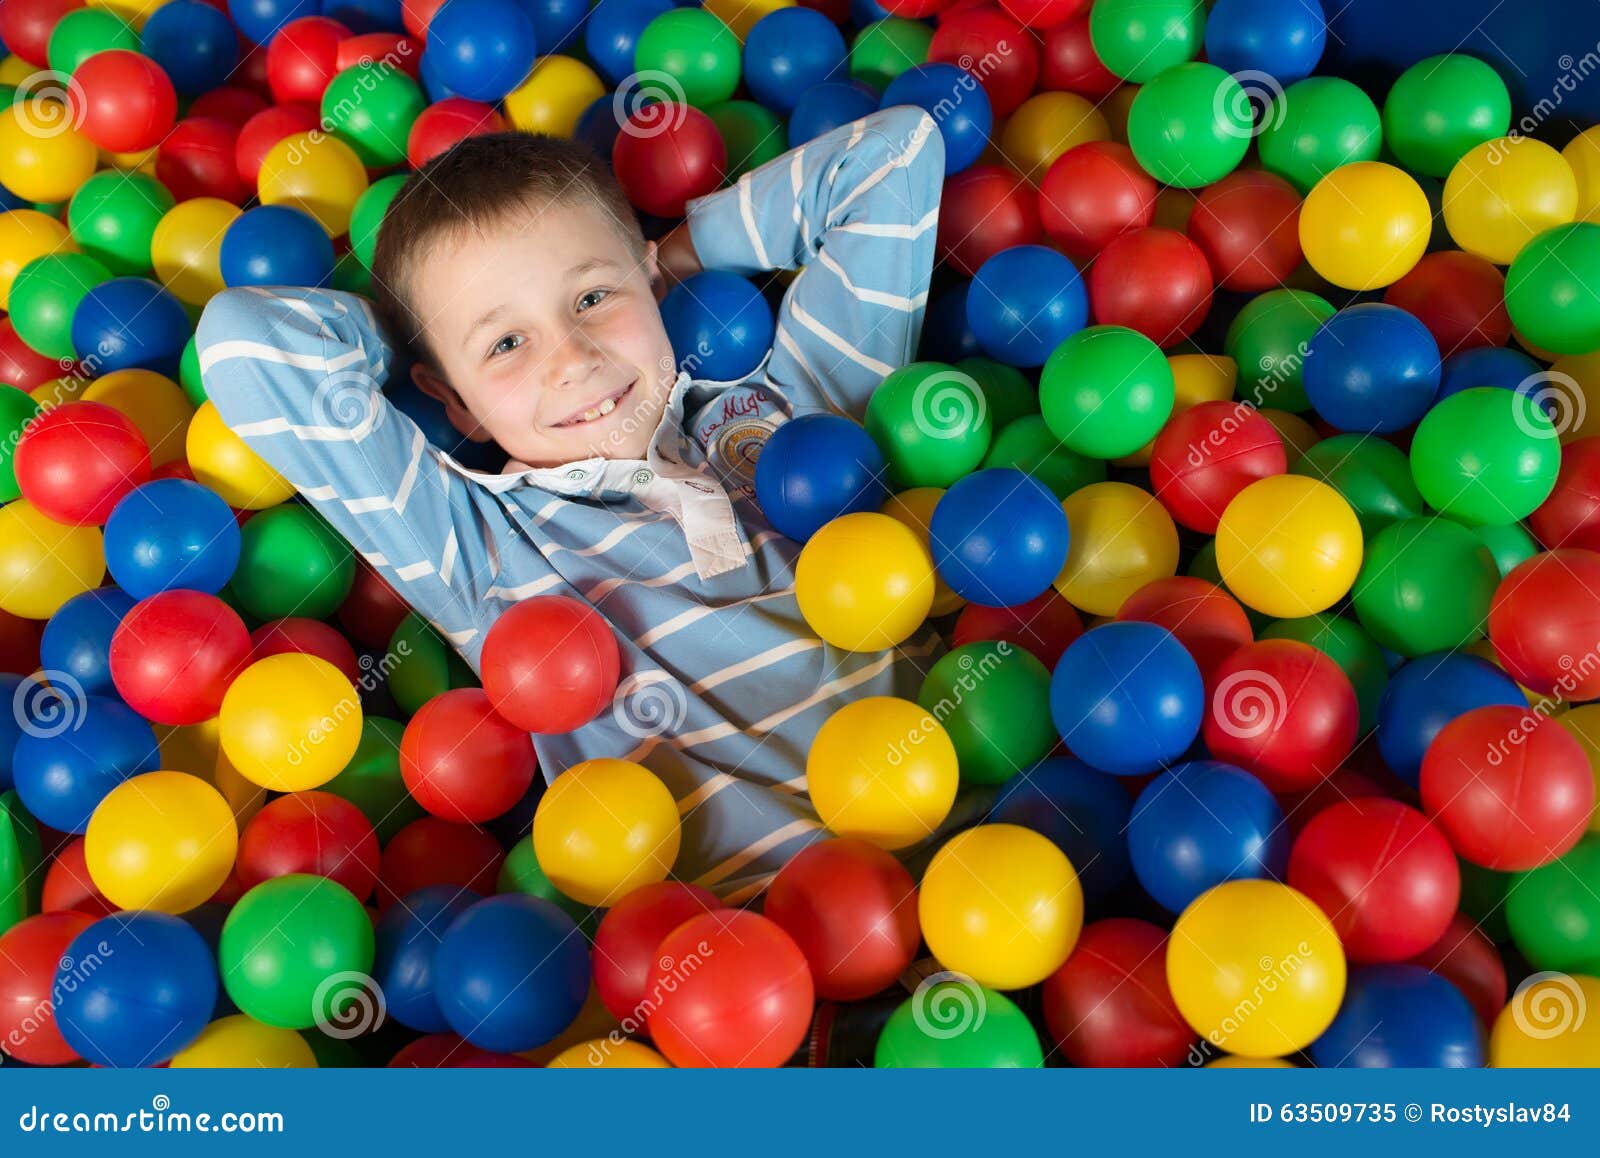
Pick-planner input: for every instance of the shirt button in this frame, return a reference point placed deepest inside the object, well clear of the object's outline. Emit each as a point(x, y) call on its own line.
point(643, 477)
point(576, 474)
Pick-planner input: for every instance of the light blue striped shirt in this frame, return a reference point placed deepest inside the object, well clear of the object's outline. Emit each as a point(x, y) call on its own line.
point(723, 684)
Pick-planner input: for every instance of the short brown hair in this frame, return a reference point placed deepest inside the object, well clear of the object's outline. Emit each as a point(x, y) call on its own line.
point(477, 182)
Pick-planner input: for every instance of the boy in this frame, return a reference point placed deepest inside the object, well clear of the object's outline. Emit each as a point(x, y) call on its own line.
point(514, 272)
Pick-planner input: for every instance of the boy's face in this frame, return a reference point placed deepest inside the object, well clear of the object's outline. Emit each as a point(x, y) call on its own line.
point(541, 323)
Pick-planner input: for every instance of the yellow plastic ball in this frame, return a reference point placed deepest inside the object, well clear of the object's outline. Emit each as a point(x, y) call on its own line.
point(1001, 904)
point(1233, 1062)
point(1297, 434)
point(243, 1043)
point(42, 156)
point(143, 161)
point(604, 1054)
point(44, 563)
point(1551, 1022)
point(186, 248)
point(1119, 539)
point(1365, 225)
point(741, 15)
point(221, 460)
point(1572, 387)
point(1196, 378)
point(163, 841)
point(1289, 546)
point(1504, 192)
point(1583, 722)
point(24, 235)
point(864, 582)
point(317, 173)
point(15, 71)
point(132, 12)
point(605, 828)
point(1256, 968)
point(154, 403)
point(290, 722)
point(59, 391)
point(914, 508)
point(1046, 125)
point(1583, 155)
point(554, 96)
point(883, 770)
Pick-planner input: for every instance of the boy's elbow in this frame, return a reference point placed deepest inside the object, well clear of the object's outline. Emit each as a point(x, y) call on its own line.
point(913, 133)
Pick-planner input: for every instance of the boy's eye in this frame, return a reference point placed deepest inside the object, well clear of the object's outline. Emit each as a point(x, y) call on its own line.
point(505, 345)
point(593, 298)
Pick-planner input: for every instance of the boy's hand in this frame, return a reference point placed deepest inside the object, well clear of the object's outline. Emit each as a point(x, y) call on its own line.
point(676, 260)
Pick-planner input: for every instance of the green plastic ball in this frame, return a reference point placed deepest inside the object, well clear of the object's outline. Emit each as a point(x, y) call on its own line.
point(44, 296)
point(1106, 391)
point(1029, 445)
point(1190, 126)
point(189, 374)
point(1485, 455)
point(696, 50)
point(753, 135)
point(1268, 340)
point(1138, 40)
point(1006, 389)
point(993, 699)
point(884, 49)
point(1509, 543)
point(351, 276)
point(1425, 586)
point(113, 217)
point(1554, 911)
point(285, 942)
point(1204, 566)
point(1346, 643)
point(520, 872)
point(1317, 125)
point(1441, 108)
point(958, 1024)
point(366, 216)
point(422, 665)
point(1371, 474)
point(17, 409)
point(931, 422)
point(1553, 289)
point(372, 781)
point(291, 562)
point(83, 32)
point(371, 108)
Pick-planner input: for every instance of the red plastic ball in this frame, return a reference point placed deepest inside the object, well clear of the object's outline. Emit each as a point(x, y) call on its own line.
point(30, 952)
point(1382, 873)
point(373, 610)
point(1109, 1005)
point(550, 664)
point(1282, 710)
point(79, 460)
point(1207, 454)
point(389, 48)
point(1570, 517)
point(994, 48)
point(1091, 194)
point(1248, 227)
point(837, 11)
point(431, 1052)
point(1545, 617)
point(666, 154)
point(310, 832)
point(229, 103)
point(1045, 626)
point(21, 365)
point(19, 644)
point(451, 120)
point(463, 761)
point(1155, 281)
point(264, 130)
point(197, 159)
point(174, 655)
point(122, 101)
point(985, 209)
point(1068, 62)
point(430, 851)
point(1468, 960)
point(732, 989)
point(1511, 789)
point(1343, 783)
point(852, 909)
point(67, 884)
point(306, 637)
point(628, 936)
point(252, 70)
point(416, 14)
point(26, 25)
point(1460, 297)
point(303, 57)
point(913, 9)
point(1043, 13)
point(1202, 616)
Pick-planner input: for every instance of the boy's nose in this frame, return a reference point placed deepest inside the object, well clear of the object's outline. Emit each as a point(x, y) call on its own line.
point(574, 360)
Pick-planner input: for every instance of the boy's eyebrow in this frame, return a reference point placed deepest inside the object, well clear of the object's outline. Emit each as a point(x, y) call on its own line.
point(588, 265)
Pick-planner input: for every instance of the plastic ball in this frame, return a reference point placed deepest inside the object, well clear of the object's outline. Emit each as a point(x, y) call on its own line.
point(1372, 368)
point(1109, 1004)
point(612, 30)
point(1067, 60)
point(864, 582)
point(939, 87)
point(982, 211)
point(885, 48)
point(44, 295)
point(175, 654)
point(44, 563)
point(1365, 225)
point(883, 770)
point(1106, 391)
point(317, 173)
point(826, 106)
point(1539, 1028)
point(171, 533)
point(481, 49)
point(1399, 1016)
point(628, 936)
point(1441, 108)
point(1004, 60)
point(1289, 546)
point(608, 1055)
point(298, 635)
point(915, 508)
point(1024, 302)
point(1428, 692)
point(22, 367)
point(195, 44)
point(815, 468)
point(1042, 626)
point(290, 722)
point(131, 322)
point(122, 101)
point(1082, 811)
point(1316, 126)
point(1461, 299)
point(1425, 585)
point(1248, 227)
point(951, 1023)
point(1027, 444)
point(667, 154)
point(554, 96)
point(1093, 193)
point(998, 537)
point(1153, 281)
point(315, 833)
point(162, 841)
point(696, 50)
point(24, 235)
point(275, 245)
point(222, 462)
point(550, 664)
point(1206, 455)
point(1204, 618)
point(186, 247)
point(405, 944)
point(1139, 40)
point(1265, 341)
point(30, 952)
point(1550, 289)
point(1503, 193)
point(1551, 911)
point(83, 32)
point(604, 828)
point(156, 404)
point(998, 717)
point(462, 761)
point(77, 639)
point(239, 1042)
point(199, 159)
point(76, 462)
point(292, 562)
point(441, 125)
point(1119, 539)
point(1282, 41)
point(720, 322)
point(64, 765)
point(1191, 125)
point(1486, 455)
point(43, 156)
point(429, 851)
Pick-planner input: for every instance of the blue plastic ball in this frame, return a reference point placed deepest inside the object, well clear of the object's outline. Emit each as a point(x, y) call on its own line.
point(1283, 39)
point(719, 325)
point(429, 415)
point(276, 245)
point(362, 16)
point(1488, 366)
point(134, 988)
point(946, 334)
point(957, 103)
point(12, 717)
point(1400, 1017)
point(597, 126)
point(1082, 811)
point(1127, 698)
point(612, 34)
point(1025, 301)
point(815, 468)
point(77, 638)
point(557, 24)
point(998, 537)
point(788, 51)
point(865, 12)
point(130, 322)
point(1425, 694)
point(511, 973)
point(482, 49)
point(432, 80)
point(67, 760)
point(171, 533)
point(1200, 824)
point(260, 19)
point(824, 107)
point(193, 42)
point(408, 936)
point(1372, 368)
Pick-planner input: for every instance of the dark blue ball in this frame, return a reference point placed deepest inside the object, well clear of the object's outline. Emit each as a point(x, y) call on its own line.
point(1425, 694)
point(1127, 698)
point(1082, 811)
point(1487, 366)
point(788, 51)
point(612, 34)
point(597, 126)
point(1400, 1017)
point(865, 12)
point(77, 638)
point(361, 16)
point(824, 107)
point(171, 533)
point(276, 245)
point(75, 751)
point(433, 83)
point(1024, 302)
point(1372, 368)
point(557, 24)
point(946, 334)
point(957, 103)
point(998, 537)
point(719, 325)
point(193, 42)
point(12, 717)
point(128, 323)
point(429, 415)
point(408, 937)
point(482, 49)
point(511, 973)
point(207, 920)
point(260, 19)
point(815, 468)
point(1282, 39)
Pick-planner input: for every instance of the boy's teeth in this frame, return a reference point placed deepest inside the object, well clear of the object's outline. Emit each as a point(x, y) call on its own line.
point(604, 408)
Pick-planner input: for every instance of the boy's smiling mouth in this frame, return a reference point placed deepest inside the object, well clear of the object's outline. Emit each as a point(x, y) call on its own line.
point(598, 411)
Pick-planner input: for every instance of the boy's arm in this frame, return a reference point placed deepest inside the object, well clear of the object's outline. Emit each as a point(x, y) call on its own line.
point(296, 374)
point(857, 211)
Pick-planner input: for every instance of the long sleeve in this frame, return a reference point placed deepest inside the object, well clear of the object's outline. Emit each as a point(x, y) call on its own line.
point(856, 211)
point(296, 373)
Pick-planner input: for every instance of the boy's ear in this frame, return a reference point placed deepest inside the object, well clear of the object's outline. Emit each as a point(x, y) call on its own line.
point(441, 391)
point(652, 271)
